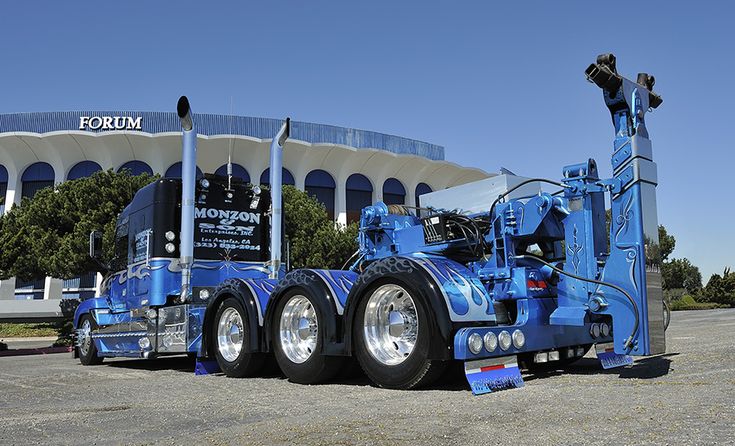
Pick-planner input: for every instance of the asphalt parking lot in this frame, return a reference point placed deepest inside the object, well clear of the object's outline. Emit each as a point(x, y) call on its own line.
point(684, 397)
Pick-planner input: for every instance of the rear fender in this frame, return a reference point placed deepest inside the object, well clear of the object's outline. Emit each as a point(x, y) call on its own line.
point(330, 288)
point(407, 271)
point(241, 291)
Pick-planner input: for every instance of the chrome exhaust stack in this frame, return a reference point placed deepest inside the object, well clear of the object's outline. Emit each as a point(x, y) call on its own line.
point(188, 185)
point(276, 183)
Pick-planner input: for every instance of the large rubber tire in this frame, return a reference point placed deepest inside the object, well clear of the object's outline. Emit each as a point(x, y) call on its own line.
point(314, 367)
point(416, 370)
point(88, 353)
point(234, 363)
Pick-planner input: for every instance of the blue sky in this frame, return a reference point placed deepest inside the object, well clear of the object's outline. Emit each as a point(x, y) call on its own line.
point(498, 84)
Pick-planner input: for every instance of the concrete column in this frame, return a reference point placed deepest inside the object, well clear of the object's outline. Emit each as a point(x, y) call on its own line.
point(7, 289)
point(378, 188)
point(299, 177)
point(52, 288)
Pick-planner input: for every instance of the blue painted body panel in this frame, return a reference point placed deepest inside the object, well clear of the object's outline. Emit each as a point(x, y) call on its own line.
point(339, 284)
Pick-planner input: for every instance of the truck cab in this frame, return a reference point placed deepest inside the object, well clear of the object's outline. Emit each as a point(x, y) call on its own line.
point(138, 300)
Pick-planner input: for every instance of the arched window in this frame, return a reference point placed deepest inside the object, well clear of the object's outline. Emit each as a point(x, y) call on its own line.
point(421, 189)
point(393, 192)
point(320, 184)
point(3, 187)
point(83, 169)
point(36, 177)
point(286, 177)
point(359, 194)
point(237, 171)
point(175, 171)
point(136, 168)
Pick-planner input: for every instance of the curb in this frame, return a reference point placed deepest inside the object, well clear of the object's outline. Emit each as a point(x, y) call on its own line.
point(34, 351)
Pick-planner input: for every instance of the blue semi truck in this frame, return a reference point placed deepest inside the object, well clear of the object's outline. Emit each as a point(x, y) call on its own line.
point(496, 280)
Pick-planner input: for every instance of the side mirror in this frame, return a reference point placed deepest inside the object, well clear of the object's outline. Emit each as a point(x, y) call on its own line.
point(95, 245)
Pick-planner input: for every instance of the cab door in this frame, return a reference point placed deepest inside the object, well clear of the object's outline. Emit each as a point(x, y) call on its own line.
point(118, 284)
point(139, 271)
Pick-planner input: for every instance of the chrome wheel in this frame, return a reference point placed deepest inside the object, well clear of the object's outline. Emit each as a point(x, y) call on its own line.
point(85, 337)
point(230, 334)
point(391, 324)
point(298, 329)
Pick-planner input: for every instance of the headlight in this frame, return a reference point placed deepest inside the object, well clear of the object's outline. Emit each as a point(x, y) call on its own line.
point(491, 341)
point(474, 342)
point(519, 339)
point(504, 340)
point(170, 248)
point(170, 236)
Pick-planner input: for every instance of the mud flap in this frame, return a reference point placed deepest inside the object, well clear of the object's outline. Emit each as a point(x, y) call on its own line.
point(493, 375)
point(609, 359)
point(206, 367)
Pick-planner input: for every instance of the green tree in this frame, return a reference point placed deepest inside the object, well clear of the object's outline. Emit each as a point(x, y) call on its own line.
point(666, 243)
point(680, 273)
point(720, 289)
point(49, 234)
point(315, 240)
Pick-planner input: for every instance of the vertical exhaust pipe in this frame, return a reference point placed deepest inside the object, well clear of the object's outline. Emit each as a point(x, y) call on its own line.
point(188, 184)
point(276, 196)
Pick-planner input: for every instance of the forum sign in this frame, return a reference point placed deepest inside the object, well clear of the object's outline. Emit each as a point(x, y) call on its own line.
point(110, 123)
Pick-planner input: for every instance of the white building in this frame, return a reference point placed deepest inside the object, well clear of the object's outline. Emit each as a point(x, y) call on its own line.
point(346, 169)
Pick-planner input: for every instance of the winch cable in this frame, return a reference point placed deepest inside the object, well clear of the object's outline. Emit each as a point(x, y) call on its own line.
point(629, 341)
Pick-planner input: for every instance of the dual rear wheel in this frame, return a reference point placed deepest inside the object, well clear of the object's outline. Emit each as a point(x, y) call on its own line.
point(390, 332)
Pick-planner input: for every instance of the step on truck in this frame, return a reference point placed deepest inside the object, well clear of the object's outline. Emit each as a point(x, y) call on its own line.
point(497, 274)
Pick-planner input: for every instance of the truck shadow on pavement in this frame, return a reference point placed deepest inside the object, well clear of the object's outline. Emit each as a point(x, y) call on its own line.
point(452, 380)
point(646, 368)
point(175, 363)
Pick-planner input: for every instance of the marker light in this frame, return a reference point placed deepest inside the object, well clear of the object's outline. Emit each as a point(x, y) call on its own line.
point(256, 190)
point(519, 339)
point(144, 343)
point(170, 248)
point(504, 340)
point(605, 329)
point(204, 294)
point(474, 342)
point(491, 341)
point(170, 236)
point(595, 330)
point(204, 183)
point(151, 314)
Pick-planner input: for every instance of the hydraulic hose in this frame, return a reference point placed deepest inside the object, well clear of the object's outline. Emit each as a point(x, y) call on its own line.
point(629, 341)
